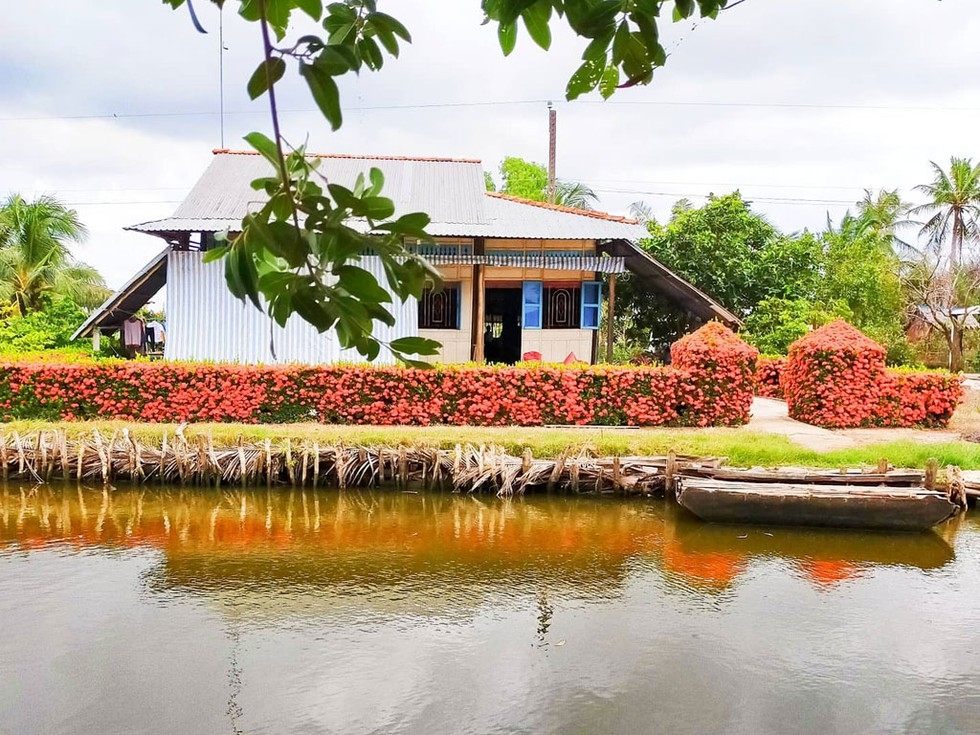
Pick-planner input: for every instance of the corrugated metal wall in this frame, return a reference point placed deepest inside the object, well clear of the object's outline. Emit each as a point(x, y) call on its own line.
point(205, 322)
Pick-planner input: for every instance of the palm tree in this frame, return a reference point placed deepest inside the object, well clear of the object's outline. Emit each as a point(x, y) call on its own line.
point(953, 209)
point(575, 194)
point(34, 257)
point(883, 213)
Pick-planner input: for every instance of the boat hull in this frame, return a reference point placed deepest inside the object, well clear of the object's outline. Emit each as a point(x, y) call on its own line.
point(896, 509)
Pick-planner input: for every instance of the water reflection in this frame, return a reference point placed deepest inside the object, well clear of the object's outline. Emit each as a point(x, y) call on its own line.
point(168, 610)
point(398, 547)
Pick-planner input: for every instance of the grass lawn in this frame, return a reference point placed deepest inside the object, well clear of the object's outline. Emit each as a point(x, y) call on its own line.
point(742, 447)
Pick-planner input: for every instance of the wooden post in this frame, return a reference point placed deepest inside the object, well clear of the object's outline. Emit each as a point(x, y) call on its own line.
point(479, 311)
point(610, 314)
point(96, 339)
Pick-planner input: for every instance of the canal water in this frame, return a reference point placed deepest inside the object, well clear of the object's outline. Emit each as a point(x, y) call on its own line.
point(222, 611)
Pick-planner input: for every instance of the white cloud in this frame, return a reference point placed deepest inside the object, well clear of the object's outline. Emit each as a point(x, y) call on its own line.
point(876, 90)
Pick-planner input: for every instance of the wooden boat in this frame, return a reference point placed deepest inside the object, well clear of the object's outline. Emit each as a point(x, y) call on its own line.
point(892, 478)
point(904, 508)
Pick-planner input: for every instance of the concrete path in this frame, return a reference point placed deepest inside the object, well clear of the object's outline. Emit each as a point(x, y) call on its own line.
point(769, 415)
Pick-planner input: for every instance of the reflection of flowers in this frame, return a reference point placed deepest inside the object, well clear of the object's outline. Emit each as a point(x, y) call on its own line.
point(828, 572)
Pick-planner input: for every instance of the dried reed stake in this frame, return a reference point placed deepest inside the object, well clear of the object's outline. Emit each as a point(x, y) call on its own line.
point(81, 460)
point(3, 457)
point(241, 460)
point(162, 467)
point(932, 471)
point(290, 470)
point(268, 462)
point(316, 463)
point(340, 465)
point(402, 466)
point(956, 487)
point(214, 466)
point(617, 477)
point(65, 462)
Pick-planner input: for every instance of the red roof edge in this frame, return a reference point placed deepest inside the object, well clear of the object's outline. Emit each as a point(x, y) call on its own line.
point(563, 208)
point(229, 152)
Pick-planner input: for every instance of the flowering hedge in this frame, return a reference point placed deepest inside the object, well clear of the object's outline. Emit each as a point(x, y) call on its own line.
point(836, 377)
point(768, 372)
point(918, 398)
point(710, 384)
point(723, 370)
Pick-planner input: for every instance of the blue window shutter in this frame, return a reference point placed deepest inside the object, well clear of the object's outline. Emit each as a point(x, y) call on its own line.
point(533, 291)
point(459, 305)
point(591, 304)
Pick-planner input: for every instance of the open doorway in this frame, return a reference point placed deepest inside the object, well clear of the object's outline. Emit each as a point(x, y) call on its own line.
point(502, 325)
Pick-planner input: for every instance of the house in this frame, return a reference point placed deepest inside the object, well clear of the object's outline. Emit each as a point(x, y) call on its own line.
point(520, 277)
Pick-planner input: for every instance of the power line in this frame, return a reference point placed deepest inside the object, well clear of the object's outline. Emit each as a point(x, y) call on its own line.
point(501, 103)
point(716, 183)
point(769, 200)
point(110, 203)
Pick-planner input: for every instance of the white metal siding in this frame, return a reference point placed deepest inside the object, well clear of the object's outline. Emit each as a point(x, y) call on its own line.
point(205, 322)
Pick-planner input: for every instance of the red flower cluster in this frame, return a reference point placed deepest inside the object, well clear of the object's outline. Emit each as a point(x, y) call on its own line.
point(710, 384)
point(836, 377)
point(722, 367)
point(768, 371)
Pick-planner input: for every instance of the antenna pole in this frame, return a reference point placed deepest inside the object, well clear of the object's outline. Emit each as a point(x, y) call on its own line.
point(221, 74)
point(552, 133)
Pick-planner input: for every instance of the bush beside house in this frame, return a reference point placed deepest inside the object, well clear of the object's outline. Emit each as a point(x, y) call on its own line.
point(836, 377)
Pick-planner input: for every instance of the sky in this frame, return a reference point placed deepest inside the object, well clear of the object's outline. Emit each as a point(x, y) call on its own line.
point(112, 106)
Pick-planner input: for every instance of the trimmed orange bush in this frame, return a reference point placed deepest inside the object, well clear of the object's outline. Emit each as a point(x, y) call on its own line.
point(768, 372)
point(723, 370)
point(836, 377)
point(711, 383)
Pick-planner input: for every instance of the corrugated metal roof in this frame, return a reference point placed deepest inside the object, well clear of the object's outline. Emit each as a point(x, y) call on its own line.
point(660, 278)
point(452, 192)
point(129, 299)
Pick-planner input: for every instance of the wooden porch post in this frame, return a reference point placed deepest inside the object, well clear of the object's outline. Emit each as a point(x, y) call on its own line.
point(610, 318)
point(479, 311)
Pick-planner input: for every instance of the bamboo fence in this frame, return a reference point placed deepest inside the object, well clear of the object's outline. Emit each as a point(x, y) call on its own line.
point(47, 456)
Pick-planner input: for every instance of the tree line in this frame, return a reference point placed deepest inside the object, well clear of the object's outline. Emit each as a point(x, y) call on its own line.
point(885, 267)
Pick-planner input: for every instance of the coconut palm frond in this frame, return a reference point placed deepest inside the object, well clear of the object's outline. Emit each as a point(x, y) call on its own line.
point(575, 194)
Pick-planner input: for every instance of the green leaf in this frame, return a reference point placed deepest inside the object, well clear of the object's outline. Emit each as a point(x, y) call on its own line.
point(683, 9)
point(584, 80)
point(370, 53)
point(265, 146)
point(536, 20)
point(408, 362)
point(313, 8)
point(324, 91)
point(598, 48)
point(339, 34)
point(609, 82)
point(215, 253)
point(415, 346)
point(265, 75)
point(362, 285)
point(376, 207)
point(392, 24)
point(377, 180)
point(507, 35)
